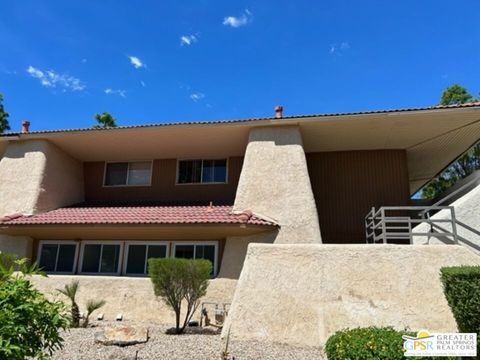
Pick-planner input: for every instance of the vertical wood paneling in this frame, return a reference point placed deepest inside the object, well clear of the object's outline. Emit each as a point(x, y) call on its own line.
point(163, 188)
point(347, 184)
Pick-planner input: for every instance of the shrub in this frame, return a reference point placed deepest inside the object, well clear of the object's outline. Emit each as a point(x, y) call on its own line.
point(461, 285)
point(29, 323)
point(370, 343)
point(176, 280)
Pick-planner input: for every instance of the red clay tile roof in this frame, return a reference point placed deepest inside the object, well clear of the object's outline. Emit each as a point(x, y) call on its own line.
point(216, 122)
point(138, 215)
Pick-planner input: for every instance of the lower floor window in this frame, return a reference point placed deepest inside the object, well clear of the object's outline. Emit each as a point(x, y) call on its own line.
point(116, 257)
point(58, 257)
point(137, 256)
point(101, 258)
point(198, 251)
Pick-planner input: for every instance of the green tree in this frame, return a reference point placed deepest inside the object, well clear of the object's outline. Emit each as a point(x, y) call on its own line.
point(455, 94)
point(105, 120)
point(179, 281)
point(29, 323)
point(4, 125)
point(70, 291)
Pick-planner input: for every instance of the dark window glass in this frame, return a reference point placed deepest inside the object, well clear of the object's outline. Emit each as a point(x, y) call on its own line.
point(48, 257)
point(214, 171)
point(110, 256)
point(206, 252)
point(184, 251)
point(66, 258)
point(156, 251)
point(116, 174)
point(136, 259)
point(189, 171)
point(220, 171)
point(91, 258)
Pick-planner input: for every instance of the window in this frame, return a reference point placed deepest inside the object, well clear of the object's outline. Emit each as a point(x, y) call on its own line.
point(56, 257)
point(201, 250)
point(100, 258)
point(202, 171)
point(137, 173)
point(137, 255)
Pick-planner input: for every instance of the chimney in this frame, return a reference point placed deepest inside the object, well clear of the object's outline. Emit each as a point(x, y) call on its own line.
point(278, 111)
point(25, 127)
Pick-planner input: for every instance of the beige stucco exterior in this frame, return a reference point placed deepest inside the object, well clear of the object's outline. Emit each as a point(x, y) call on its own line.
point(37, 176)
point(301, 294)
point(130, 296)
point(21, 246)
point(236, 249)
point(275, 184)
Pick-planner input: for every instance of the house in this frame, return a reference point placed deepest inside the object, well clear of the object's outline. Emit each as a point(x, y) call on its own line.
point(102, 201)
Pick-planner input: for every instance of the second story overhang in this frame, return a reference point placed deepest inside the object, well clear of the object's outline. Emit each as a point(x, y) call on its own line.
point(432, 137)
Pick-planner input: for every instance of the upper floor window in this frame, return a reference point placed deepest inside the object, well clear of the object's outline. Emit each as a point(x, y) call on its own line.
point(138, 173)
point(202, 171)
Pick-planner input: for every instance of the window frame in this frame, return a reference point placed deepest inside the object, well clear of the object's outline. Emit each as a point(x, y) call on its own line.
point(194, 243)
point(58, 243)
point(177, 177)
point(128, 173)
point(147, 243)
point(101, 242)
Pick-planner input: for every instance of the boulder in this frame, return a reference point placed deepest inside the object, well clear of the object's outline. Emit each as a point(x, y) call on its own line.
point(122, 335)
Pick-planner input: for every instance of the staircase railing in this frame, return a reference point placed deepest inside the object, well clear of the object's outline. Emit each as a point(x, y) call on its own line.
point(397, 223)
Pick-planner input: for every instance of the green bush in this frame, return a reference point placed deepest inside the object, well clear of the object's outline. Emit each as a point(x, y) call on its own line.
point(461, 285)
point(180, 280)
point(29, 323)
point(370, 343)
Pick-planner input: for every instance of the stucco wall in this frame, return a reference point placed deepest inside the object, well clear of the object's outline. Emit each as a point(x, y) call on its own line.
point(275, 183)
point(301, 294)
point(36, 176)
point(133, 297)
point(19, 245)
point(236, 249)
point(467, 210)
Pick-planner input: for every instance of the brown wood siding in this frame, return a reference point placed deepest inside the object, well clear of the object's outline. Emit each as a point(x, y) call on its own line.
point(163, 188)
point(347, 184)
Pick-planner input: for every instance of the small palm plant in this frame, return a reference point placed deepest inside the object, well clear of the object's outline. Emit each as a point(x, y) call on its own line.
point(70, 291)
point(92, 305)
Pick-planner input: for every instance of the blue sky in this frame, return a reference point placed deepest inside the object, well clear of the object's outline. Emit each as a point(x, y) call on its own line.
point(161, 61)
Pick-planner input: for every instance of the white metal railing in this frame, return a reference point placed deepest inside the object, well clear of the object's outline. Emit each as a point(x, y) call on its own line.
point(393, 223)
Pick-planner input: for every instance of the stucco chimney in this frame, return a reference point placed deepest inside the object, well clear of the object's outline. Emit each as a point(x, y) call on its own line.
point(278, 111)
point(25, 127)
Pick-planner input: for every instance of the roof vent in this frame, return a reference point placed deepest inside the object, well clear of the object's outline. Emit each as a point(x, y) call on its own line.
point(25, 127)
point(278, 111)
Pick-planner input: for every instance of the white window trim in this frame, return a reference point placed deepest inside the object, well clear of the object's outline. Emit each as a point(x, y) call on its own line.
point(128, 173)
point(101, 242)
point(215, 243)
point(147, 243)
point(201, 172)
point(58, 243)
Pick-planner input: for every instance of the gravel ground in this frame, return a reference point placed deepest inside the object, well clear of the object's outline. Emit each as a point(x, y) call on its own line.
point(79, 344)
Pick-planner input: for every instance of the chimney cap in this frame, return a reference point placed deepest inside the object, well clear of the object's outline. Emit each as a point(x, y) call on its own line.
point(278, 111)
point(25, 126)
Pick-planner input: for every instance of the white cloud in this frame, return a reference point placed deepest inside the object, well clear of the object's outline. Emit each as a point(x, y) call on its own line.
point(197, 96)
point(238, 21)
point(188, 39)
point(50, 78)
point(136, 62)
point(119, 92)
point(339, 48)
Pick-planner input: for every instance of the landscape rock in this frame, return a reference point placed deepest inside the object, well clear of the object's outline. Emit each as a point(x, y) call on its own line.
point(122, 335)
